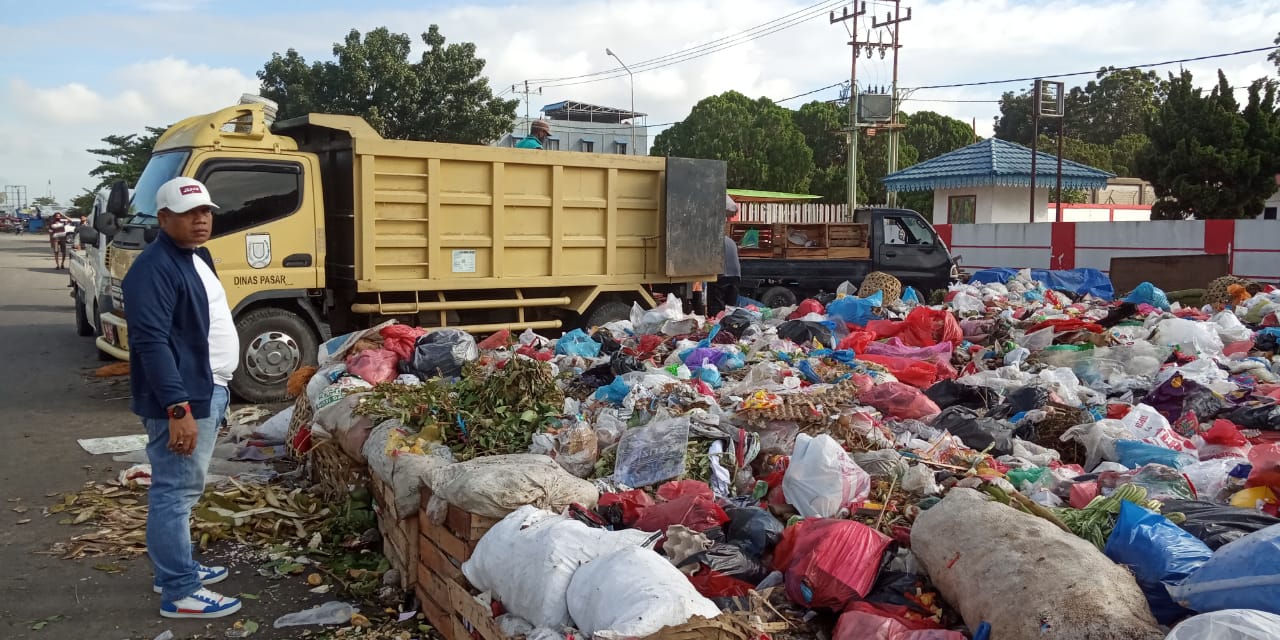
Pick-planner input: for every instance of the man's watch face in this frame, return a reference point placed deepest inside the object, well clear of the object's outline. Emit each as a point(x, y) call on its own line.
point(178, 412)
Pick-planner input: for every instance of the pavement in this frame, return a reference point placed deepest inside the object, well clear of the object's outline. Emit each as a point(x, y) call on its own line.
point(48, 399)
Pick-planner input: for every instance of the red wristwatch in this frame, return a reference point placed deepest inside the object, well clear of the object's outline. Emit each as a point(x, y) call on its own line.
point(178, 411)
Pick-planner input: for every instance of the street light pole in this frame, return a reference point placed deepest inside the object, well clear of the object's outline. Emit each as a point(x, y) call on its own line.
point(633, 97)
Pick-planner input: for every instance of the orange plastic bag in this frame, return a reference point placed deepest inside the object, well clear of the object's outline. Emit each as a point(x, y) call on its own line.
point(923, 327)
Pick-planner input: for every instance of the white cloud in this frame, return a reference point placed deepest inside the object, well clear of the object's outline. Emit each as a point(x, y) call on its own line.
point(46, 122)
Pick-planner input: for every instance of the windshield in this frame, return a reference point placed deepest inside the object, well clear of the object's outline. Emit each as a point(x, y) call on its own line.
point(162, 168)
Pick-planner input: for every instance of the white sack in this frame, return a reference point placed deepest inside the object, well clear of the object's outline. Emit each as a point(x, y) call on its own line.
point(632, 593)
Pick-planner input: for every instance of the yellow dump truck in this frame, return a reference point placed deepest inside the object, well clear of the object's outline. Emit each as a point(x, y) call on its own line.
point(325, 227)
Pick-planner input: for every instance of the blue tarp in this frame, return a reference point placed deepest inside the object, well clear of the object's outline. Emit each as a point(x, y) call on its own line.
point(1078, 281)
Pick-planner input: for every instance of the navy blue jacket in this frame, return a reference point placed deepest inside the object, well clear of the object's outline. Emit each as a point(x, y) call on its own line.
point(167, 310)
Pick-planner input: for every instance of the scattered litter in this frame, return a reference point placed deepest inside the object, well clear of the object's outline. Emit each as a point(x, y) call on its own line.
point(114, 444)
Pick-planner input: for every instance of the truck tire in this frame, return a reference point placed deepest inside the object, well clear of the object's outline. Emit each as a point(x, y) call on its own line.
point(273, 344)
point(84, 326)
point(605, 311)
point(775, 297)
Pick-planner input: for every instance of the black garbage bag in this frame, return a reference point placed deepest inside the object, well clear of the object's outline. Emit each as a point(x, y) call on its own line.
point(621, 363)
point(443, 352)
point(597, 376)
point(1206, 403)
point(1020, 401)
point(948, 393)
point(803, 332)
point(608, 346)
point(1257, 414)
point(976, 432)
point(737, 322)
point(1269, 342)
point(1119, 314)
point(732, 561)
point(753, 529)
point(1217, 524)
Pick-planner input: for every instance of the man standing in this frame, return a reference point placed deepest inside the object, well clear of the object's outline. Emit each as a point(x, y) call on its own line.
point(724, 293)
point(184, 351)
point(539, 131)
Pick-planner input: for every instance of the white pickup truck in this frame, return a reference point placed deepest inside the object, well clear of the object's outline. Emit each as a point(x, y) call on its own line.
point(89, 278)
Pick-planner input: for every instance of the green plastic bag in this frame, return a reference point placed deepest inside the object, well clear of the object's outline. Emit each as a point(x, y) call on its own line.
point(750, 239)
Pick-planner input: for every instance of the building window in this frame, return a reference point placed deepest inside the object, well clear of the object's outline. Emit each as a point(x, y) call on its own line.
point(962, 209)
point(552, 144)
point(588, 145)
point(620, 147)
point(1269, 213)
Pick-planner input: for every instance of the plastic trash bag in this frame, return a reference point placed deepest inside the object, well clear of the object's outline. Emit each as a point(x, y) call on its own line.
point(753, 529)
point(615, 392)
point(1135, 453)
point(910, 296)
point(822, 479)
point(577, 343)
point(859, 624)
point(738, 322)
point(1230, 329)
point(899, 400)
point(1188, 336)
point(632, 593)
point(976, 432)
point(400, 339)
point(443, 352)
point(923, 327)
point(1159, 554)
point(652, 453)
point(854, 310)
point(1099, 440)
point(328, 613)
point(1243, 574)
point(805, 333)
point(1228, 624)
point(1216, 524)
point(829, 563)
point(623, 509)
point(374, 365)
point(695, 511)
point(1149, 294)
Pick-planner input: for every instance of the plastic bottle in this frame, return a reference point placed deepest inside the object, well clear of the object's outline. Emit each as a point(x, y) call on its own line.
point(328, 613)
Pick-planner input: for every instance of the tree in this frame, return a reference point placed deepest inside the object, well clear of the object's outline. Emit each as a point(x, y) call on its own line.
point(442, 97)
point(124, 157)
point(1274, 56)
point(823, 126)
point(758, 139)
point(1206, 158)
point(82, 204)
point(933, 134)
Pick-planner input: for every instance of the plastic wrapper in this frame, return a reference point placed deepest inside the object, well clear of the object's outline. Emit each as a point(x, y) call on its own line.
point(697, 512)
point(374, 365)
point(1228, 624)
point(899, 400)
point(615, 392)
point(854, 310)
point(821, 479)
point(1188, 336)
point(1257, 415)
point(860, 624)
point(1159, 554)
point(1099, 440)
point(576, 449)
point(977, 433)
point(1216, 524)
point(577, 343)
point(806, 333)
point(652, 453)
point(1244, 574)
point(753, 529)
point(443, 352)
point(829, 563)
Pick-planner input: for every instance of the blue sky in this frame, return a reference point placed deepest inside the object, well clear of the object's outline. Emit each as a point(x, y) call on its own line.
point(75, 71)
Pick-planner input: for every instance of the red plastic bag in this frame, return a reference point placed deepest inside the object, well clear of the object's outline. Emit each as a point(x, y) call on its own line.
point(807, 307)
point(899, 400)
point(1266, 466)
point(916, 373)
point(697, 512)
point(829, 563)
point(713, 584)
point(857, 341)
point(374, 365)
point(632, 503)
point(495, 341)
point(678, 488)
point(400, 338)
point(923, 327)
point(860, 624)
point(1225, 432)
point(1067, 325)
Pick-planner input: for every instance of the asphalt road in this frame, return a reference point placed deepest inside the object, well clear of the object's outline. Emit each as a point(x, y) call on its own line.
point(48, 399)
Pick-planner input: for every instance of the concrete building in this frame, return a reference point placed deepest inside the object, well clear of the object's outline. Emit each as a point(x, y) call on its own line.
point(578, 126)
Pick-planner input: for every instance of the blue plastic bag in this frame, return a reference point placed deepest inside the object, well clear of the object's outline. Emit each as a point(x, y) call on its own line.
point(1147, 293)
point(577, 343)
point(1159, 553)
point(614, 392)
point(1243, 574)
point(732, 361)
point(709, 374)
point(911, 296)
point(1135, 453)
point(855, 310)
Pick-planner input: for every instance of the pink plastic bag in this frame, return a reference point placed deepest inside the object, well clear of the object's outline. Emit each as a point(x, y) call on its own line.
point(865, 625)
point(829, 563)
point(400, 338)
point(900, 401)
point(374, 365)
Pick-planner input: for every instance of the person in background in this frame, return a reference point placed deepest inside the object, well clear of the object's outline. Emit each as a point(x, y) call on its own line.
point(539, 131)
point(184, 351)
point(724, 293)
point(58, 239)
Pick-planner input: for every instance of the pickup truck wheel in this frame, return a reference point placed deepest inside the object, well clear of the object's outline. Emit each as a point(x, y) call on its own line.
point(775, 297)
point(273, 344)
point(606, 311)
point(84, 326)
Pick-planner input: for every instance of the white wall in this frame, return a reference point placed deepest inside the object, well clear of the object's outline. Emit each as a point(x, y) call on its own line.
point(571, 134)
point(1010, 204)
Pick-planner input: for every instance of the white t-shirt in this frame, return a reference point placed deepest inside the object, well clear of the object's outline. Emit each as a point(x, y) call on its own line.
point(224, 343)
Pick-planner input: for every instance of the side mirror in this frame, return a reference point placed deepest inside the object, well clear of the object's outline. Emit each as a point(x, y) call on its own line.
point(118, 201)
point(106, 225)
point(88, 235)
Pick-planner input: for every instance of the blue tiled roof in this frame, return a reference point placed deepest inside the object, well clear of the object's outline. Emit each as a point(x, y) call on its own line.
point(993, 162)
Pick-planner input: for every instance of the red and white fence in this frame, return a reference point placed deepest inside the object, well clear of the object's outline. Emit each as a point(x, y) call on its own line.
point(1252, 247)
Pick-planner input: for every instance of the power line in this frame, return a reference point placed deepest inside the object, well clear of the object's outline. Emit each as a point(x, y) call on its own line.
point(825, 4)
point(801, 95)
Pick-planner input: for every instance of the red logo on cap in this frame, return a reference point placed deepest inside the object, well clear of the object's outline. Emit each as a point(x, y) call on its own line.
point(189, 189)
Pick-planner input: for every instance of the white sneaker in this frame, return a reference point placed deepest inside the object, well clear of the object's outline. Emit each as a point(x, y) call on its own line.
point(201, 604)
point(208, 576)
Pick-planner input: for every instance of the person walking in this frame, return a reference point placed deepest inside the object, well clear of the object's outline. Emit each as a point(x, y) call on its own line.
point(724, 293)
point(57, 231)
point(539, 131)
point(184, 351)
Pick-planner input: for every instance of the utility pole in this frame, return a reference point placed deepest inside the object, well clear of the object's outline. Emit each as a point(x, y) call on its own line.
point(893, 21)
point(1035, 145)
point(860, 8)
point(526, 91)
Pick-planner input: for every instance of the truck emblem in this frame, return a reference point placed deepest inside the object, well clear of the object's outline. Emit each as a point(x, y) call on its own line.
point(257, 249)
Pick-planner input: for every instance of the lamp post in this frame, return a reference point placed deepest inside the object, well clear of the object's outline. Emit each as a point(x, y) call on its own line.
point(633, 97)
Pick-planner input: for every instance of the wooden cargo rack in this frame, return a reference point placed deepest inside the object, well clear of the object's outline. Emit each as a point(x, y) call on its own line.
point(443, 592)
point(769, 245)
point(399, 533)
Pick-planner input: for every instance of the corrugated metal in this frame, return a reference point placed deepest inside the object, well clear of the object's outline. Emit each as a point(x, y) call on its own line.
point(993, 162)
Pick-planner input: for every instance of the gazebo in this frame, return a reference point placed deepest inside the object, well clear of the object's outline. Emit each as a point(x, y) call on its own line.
point(989, 181)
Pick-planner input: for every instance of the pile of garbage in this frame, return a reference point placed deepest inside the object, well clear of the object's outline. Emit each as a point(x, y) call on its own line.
point(1018, 461)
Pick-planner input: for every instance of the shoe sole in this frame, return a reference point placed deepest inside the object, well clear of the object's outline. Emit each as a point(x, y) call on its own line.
point(216, 614)
point(203, 583)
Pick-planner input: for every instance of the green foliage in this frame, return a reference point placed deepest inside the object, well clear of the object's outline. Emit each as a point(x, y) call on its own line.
point(44, 201)
point(82, 204)
point(761, 144)
point(1207, 158)
point(124, 157)
point(442, 97)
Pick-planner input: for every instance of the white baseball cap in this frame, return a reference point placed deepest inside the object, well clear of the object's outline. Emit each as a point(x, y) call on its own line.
point(729, 205)
point(181, 195)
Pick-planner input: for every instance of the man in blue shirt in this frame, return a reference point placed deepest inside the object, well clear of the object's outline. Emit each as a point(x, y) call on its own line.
point(539, 131)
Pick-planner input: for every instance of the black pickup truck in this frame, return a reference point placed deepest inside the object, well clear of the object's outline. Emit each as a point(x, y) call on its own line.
point(900, 242)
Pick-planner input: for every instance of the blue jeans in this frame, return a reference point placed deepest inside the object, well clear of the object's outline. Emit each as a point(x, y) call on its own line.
point(177, 482)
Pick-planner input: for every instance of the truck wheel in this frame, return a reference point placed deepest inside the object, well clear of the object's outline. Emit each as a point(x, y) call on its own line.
point(775, 297)
point(84, 327)
point(605, 311)
point(273, 344)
